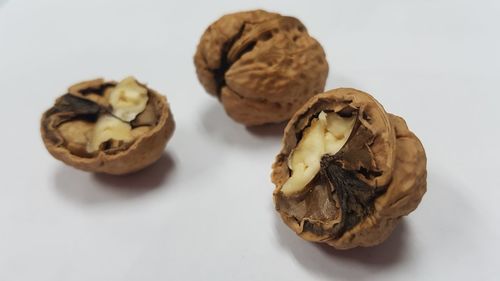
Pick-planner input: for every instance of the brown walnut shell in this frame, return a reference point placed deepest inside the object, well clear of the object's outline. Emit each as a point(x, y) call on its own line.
point(362, 191)
point(81, 106)
point(262, 66)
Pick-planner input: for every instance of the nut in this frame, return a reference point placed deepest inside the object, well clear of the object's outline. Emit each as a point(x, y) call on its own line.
point(108, 127)
point(128, 99)
point(348, 171)
point(327, 134)
point(262, 66)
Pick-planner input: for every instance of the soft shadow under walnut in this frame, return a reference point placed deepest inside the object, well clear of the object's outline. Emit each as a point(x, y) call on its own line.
point(93, 189)
point(325, 261)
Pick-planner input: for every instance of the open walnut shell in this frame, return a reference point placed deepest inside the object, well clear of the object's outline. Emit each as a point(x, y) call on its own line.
point(348, 171)
point(262, 66)
point(108, 127)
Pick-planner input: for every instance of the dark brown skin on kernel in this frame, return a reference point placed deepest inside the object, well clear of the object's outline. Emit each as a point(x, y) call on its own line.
point(361, 192)
point(262, 66)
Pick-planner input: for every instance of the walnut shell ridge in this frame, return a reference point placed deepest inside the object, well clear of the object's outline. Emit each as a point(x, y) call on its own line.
point(142, 152)
point(397, 154)
point(262, 66)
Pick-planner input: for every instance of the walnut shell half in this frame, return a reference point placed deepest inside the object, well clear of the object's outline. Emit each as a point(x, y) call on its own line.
point(108, 127)
point(262, 66)
point(348, 171)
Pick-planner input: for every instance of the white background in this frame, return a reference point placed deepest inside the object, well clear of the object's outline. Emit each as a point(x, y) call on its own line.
point(204, 211)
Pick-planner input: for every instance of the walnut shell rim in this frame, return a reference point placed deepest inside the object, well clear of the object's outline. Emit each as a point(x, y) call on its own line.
point(406, 180)
point(261, 66)
point(144, 151)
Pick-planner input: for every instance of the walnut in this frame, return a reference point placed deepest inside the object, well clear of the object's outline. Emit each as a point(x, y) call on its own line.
point(262, 66)
point(348, 171)
point(108, 127)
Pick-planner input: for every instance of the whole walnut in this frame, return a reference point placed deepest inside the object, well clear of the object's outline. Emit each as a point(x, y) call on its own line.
point(348, 171)
point(262, 66)
point(108, 127)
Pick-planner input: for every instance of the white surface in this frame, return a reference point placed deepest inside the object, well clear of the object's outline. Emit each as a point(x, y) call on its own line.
point(205, 212)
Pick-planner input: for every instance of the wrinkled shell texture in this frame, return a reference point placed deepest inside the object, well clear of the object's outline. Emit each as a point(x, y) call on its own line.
point(262, 66)
point(396, 154)
point(143, 151)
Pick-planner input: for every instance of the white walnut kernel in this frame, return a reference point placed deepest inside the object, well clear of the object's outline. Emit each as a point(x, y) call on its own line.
point(108, 128)
point(327, 134)
point(128, 99)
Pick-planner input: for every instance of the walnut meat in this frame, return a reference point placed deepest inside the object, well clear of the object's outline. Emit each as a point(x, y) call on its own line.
point(262, 66)
point(108, 127)
point(348, 171)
